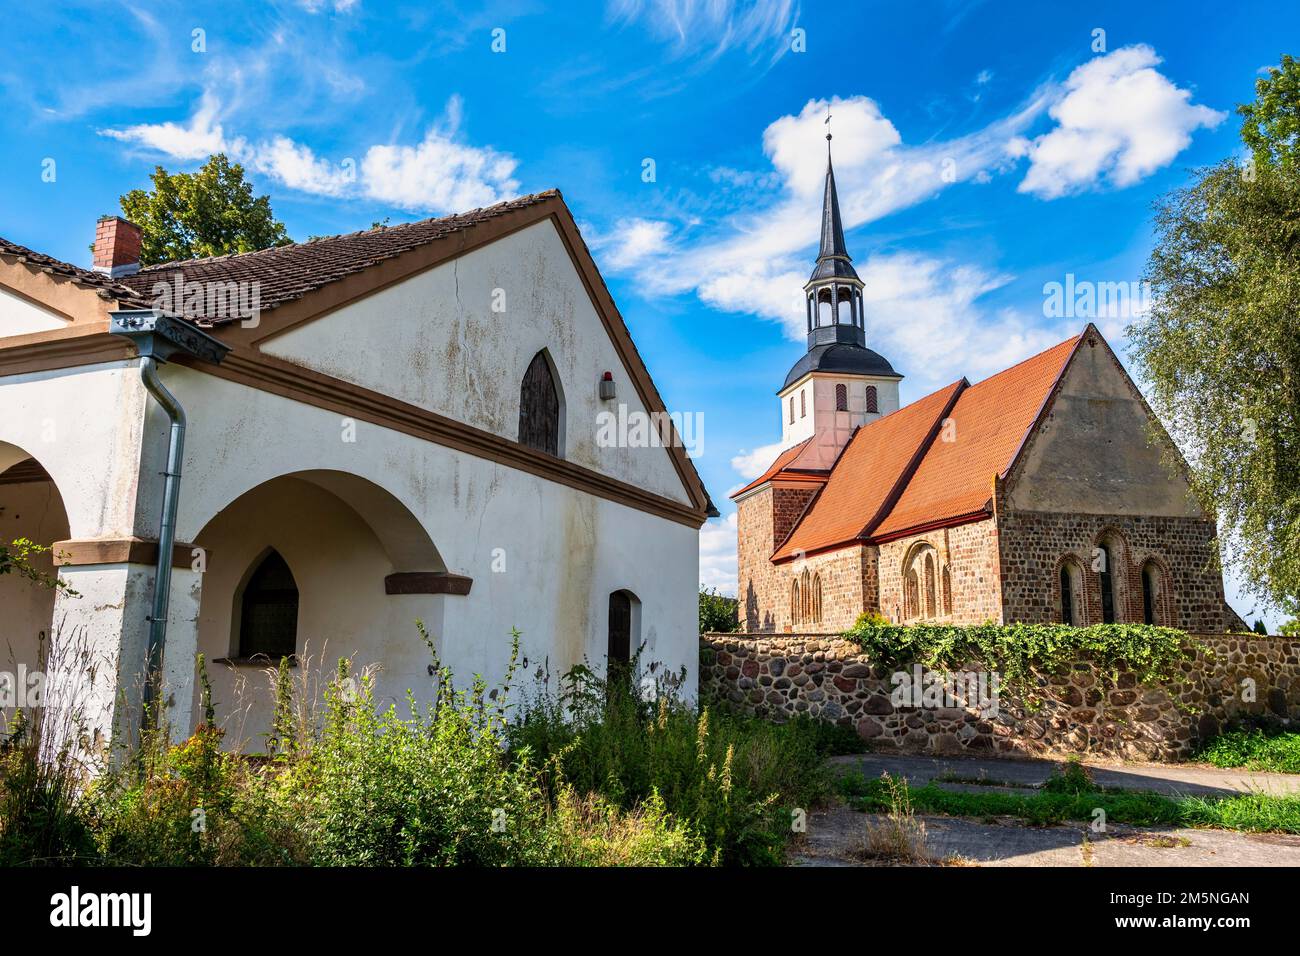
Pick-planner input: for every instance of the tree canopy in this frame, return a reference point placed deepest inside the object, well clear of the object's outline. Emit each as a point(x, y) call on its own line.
point(210, 212)
point(1220, 347)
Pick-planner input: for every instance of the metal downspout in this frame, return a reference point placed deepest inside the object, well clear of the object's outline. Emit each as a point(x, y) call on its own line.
point(166, 532)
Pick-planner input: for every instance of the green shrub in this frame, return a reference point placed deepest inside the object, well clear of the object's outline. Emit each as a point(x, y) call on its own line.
point(735, 781)
point(44, 817)
point(1256, 749)
point(719, 614)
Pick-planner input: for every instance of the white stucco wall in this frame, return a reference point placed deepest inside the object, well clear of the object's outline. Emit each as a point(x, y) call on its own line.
point(18, 316)
point(435, 341)
point(84, 425)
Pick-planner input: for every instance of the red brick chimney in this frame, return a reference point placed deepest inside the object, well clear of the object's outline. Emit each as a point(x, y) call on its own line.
point(117, 246)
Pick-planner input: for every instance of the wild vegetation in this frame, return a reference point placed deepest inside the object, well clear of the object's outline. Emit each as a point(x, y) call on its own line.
point(595, 773)
point(1072, 795)
point(1254, 749)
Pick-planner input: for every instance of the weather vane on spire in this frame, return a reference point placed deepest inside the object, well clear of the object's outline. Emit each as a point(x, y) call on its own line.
point(827, 121)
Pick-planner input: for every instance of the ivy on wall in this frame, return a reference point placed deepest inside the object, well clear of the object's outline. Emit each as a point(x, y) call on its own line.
point(1022, 652)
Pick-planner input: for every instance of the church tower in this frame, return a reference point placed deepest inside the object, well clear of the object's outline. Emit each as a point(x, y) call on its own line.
point(839, 383)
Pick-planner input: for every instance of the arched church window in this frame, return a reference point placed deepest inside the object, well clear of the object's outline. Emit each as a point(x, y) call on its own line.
point(911, 594)
point(268, 611)
point(930, 609)
point(539, 407)
point(1106, 583)
point(1151, 593)
point(1071, 585)
point(791, 409)
point(795, 617)
point(622, 638)
point(817, 598)
point(947, 590)
point(803, 403)
point(841, 398)
point(871, 400)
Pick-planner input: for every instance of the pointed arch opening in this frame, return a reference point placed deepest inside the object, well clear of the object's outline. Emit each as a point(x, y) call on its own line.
point(873, 406)
point(268, 610)
point(841, 397)
point(1153, 593)
point(541, 407)
point(1070, 602)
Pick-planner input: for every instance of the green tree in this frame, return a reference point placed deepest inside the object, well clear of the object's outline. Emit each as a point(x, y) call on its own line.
point(1219, 346)
point(1272, 123)
point(719, 614)
point(211, 212)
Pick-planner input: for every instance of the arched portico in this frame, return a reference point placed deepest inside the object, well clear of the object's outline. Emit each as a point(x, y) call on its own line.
point(363, 570)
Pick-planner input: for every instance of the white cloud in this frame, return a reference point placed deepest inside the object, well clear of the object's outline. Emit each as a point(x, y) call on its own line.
point(750, 464)
point(632, 243)
point(1118, 120)
point(338, 6)
point(718, 554)
point(439, 174)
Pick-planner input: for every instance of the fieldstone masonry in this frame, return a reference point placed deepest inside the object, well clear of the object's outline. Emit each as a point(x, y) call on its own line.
point(829, 678)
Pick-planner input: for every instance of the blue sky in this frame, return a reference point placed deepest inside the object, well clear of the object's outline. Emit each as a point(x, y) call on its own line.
point(982, 150)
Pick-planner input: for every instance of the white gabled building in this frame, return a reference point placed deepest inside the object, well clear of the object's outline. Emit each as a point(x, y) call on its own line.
point(407, 430)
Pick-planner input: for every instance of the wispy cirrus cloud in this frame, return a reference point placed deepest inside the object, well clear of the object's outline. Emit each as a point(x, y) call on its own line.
point(712, 28)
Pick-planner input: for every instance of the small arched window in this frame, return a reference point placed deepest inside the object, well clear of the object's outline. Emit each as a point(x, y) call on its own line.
point(947, 590)
point(539, 407)
point(911, 594)
point(817, 599)
point(1151, 593)
point(268, 611)
point(872, 407)
point(791, 409)
point(803, 403)
point(841, 398)
point(795, 609)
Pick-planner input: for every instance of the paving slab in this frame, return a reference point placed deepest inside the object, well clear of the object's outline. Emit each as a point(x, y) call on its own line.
point(1168, 779)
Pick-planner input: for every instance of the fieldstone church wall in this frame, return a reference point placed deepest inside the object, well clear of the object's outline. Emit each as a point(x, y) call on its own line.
point(829, 678)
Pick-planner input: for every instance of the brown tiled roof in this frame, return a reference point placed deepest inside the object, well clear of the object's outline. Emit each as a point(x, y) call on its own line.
point(867, 474)
point(898, 474)
point(285, 273)
point(106, 287)
point(787, 468)
point(990, 422)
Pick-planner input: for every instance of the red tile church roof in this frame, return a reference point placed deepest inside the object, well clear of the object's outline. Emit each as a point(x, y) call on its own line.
point(931, 463)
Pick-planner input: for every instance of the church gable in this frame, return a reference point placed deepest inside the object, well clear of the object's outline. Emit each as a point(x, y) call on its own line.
point(1097, 448)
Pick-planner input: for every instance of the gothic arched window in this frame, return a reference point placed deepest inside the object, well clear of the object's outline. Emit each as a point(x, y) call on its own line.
point(911, 594)
point(795, 617)
point(1071, 585)
point(1106, 583)
point(268, 611)
point(791, 409)
point(841, 398)
point(872, 407)
point(539, 407)
point(817, 598)
point(947, 590)
point(1151, 596)
point(930, 608)
point(803, 403)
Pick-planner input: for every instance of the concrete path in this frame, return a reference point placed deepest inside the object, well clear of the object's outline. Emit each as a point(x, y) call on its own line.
point(1169, 779)
point(835, 838)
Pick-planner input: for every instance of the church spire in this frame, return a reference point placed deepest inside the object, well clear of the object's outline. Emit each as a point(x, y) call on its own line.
point(834, 291)
point(832, 227)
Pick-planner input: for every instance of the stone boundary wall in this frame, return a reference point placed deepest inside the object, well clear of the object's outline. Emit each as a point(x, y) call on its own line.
point(829, 678)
